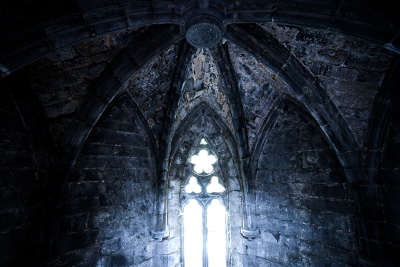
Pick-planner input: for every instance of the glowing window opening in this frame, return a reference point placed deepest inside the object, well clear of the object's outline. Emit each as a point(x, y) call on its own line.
point(193, 234)
point(193, 186)
point(216, 234)
point(204, 214)
point(215, 186)
point(203, 162)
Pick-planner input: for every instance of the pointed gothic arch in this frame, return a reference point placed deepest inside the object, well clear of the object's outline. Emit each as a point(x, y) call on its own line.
point(306, 90)
point(205, 111)
point(204, 122)
point(126, 102)
point(109, 85)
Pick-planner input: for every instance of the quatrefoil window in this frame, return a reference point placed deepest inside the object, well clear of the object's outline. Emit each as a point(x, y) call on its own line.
point(203, 162)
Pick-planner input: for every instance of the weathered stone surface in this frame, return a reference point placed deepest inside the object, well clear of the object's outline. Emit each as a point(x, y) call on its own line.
point(259, 89)
point(62, 79)
point(150, 85)
point(350, 70)
point(204, 84)
point(109, 201)
point(304, 206)
point(305, 217)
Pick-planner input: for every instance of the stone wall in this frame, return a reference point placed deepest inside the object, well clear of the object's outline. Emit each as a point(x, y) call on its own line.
point(349, 69)
point(304, 206)
point(62, 79)
point(390, 188)
point(19, 179)
point(108, 206)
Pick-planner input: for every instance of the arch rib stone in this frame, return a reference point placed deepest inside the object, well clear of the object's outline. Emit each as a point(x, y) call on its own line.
point(49, 250)
point(110, 83)
point(355, 19)
point(263, 134)
point(105, 89)
point(221, 55)
point(304, 87)
point(317, 103)
point(185, 55)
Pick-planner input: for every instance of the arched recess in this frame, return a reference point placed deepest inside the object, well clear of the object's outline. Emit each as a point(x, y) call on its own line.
point(354, 19)
point(106, 88)
point(110, 192)
point(305, 204)
point(111, 82)
point(134, 112)
point(305, 89)
point(368, 195)
point(280, 106)
point(316, 102)
point(205, 122)
point(32, 115)
point(197, 116)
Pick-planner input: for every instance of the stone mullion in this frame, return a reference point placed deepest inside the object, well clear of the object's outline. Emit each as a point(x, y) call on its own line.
point(173, 95)
point(224, 64)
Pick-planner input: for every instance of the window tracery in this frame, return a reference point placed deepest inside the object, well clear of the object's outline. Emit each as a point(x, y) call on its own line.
point(204, 211)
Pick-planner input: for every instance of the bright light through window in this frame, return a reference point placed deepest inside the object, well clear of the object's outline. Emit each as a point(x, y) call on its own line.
point(193, 186)
point(215, 186)
point(203, 162)
point(193, 234)
point(216, 245)
point(204, 215)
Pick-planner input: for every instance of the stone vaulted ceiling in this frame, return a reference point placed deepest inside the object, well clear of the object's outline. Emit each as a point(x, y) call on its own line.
point(332, 59)
point(345, 46)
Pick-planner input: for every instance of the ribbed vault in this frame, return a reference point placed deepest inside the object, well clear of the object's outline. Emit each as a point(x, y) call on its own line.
point(335, 63)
